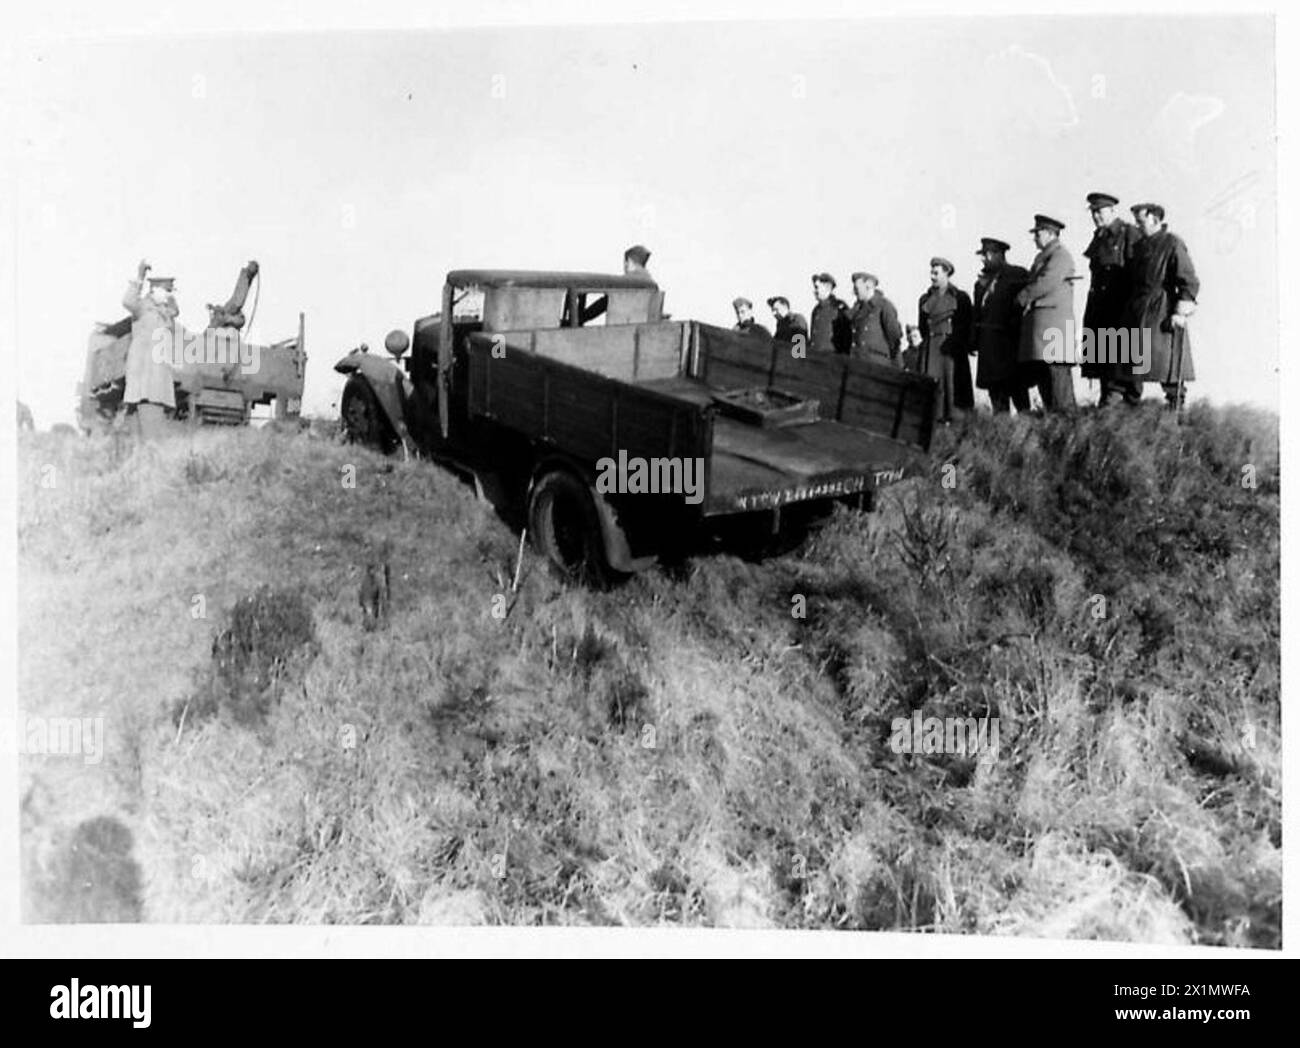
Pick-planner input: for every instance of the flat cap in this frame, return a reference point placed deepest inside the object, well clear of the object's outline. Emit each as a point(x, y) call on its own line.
point(638, 253)
point(1155, 209)
point(940, 261)
point(736, 303)
point(823, 278)
point(993, 244)
point(777, 298)
point(1045, 222)
point(863, 275)
point(1096, 200)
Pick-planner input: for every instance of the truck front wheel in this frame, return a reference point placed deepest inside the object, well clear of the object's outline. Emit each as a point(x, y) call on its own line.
point(566, 530)
point(363, 419)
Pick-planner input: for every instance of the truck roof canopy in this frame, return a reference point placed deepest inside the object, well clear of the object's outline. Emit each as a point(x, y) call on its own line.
point(544, 278)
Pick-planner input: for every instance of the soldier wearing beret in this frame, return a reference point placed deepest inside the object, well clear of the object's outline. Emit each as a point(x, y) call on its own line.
point(745, 322)
point(1109, 255)
point(1162, 297)
point(790, 326)
point(944, 317)
point(1047, 303)
point(829, 328)
point(873, 321)
point(995, 329)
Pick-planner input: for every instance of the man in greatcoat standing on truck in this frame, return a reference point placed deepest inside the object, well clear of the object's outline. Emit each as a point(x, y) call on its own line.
point(1047, 323)
point(944, 317)
point(148, 359)
point(995, 330)
point(1109, 255)
point(1162, 297)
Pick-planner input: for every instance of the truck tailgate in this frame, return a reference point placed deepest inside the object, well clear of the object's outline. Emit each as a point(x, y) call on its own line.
point(755, 468)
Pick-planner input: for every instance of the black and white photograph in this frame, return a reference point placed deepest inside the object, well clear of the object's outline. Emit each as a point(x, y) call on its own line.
point(708, 475)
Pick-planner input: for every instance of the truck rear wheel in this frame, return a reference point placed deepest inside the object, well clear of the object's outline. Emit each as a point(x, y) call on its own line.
point(363, 419)
point(566, 530)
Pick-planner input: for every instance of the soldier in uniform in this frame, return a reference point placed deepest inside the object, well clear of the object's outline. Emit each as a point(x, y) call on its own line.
point(789, 325)
point(944, 317)
point(1109, 255)
point(829, 330)
point(634, 260)
point(912, 354)
point(873, 321)
point(1162, 296)
point(148, 371)
point(745, 322)
point(1047, 302)
point(995, 330)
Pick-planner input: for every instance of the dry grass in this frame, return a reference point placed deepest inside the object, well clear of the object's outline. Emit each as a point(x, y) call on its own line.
point(682, 750)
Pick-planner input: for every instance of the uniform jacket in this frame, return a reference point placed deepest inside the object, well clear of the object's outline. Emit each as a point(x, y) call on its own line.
point(944, 318)
point(790, 325)
point(875, 327)
point(995, 326)
point(1048, 303)
point(145, 378)
point(830, 330)
point(1160, 276)
point(753, 329)
point(1108, 256)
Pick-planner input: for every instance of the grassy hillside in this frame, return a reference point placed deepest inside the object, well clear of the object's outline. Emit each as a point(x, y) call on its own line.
point(686, 749)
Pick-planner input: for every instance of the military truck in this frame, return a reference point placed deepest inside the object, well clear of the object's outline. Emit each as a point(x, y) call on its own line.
point(221, 376)
point(543, 386)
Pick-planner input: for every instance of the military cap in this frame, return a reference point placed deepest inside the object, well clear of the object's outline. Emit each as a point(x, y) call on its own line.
point(736, 303)
point(1096, 200)
point(1155, 209)
point(1044, 222)
point(862, 275)
point(939, 261)
point(168, 281)
point(638, 253)
point(777, 298)
point(993, 244)
point(823, 278)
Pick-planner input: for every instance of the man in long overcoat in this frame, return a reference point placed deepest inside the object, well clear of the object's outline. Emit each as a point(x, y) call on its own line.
point(995, 330)
point(148, 359)
point(1162, 296)
point(1047, 326)
point(1109, 255)
point(944, 317)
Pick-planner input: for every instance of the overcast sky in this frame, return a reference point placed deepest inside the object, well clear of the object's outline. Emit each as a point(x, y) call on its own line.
point(359, 168)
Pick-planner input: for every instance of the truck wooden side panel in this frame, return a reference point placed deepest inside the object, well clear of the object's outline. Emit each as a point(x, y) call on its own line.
point(587, 415)
point(878, 397)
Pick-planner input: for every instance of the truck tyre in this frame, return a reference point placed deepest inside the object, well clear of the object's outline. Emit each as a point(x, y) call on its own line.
point(566, 530)
point(363, 419)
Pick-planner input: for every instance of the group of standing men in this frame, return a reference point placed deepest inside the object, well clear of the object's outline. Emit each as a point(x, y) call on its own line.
point(1020, 323)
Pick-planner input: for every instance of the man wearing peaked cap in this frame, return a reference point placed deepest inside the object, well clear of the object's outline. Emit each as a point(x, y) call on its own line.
point(745, 322)
point(789, 325)
point(634, 260)
point(944, 316)
point(1109, 256)
point(829, 330)
point(1047, 323)
point(1162, 299)
point(874, 322)
point(995, 328)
